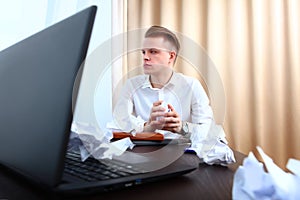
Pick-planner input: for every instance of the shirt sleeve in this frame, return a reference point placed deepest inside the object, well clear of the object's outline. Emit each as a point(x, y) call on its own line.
point(201, 111)
point(123, 116)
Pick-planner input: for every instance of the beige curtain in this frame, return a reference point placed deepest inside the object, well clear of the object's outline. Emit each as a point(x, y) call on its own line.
point(255, 47)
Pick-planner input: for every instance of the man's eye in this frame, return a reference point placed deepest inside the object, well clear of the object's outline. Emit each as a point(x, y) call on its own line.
point(153, 51)
point(143, 52)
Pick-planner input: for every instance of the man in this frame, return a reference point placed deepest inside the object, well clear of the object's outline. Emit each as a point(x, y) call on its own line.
point(162, 99)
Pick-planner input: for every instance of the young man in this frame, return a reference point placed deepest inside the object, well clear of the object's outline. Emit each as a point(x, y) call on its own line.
point(162, 99)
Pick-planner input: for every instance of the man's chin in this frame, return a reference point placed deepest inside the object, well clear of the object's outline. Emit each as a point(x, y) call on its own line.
point(147, 72)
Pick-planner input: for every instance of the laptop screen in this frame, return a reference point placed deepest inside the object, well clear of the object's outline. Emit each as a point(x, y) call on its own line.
point(36, 84)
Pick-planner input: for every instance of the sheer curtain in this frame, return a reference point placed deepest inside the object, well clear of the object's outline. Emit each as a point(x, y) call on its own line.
point(254, 45)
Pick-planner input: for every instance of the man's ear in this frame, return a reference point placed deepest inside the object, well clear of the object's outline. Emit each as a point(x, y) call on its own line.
point(172, 55)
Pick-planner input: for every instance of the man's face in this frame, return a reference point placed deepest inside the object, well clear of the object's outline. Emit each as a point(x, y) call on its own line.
point(157, 55)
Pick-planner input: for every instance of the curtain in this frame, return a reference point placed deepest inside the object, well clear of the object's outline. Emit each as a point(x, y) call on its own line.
point(254, 47)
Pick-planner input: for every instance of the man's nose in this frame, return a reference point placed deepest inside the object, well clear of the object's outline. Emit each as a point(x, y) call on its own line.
point(146, 56)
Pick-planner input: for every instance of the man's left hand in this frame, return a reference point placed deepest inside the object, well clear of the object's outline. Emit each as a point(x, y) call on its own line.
point(172, 121)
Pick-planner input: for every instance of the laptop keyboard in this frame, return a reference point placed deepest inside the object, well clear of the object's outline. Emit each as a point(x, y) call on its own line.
point(92, 169)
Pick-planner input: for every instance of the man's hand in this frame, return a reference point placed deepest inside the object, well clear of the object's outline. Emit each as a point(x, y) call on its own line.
point(163, 120)
point(172, 121)
point(156, 118)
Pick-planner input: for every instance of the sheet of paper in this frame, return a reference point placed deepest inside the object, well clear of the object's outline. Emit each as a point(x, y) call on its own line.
point(294, 166)
point(169, 134)
point(251, 181)
point(92, 142)
point(210, 145)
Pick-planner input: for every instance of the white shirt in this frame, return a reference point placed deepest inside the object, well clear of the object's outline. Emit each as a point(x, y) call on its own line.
point(184, 93)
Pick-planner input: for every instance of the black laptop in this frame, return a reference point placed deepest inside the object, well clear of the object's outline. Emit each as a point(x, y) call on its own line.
point(36, 87)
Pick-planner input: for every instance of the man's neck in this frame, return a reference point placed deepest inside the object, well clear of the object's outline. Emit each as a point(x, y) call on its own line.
point(159, 81)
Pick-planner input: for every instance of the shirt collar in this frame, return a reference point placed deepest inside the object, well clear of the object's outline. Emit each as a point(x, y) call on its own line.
point(171, 83)
point(173, 80)
point(147, 83)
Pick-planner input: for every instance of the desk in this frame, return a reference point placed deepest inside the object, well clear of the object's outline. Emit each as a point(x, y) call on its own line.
point(206, 182)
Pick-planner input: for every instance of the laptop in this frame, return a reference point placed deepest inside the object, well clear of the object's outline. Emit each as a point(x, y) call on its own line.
point(36, 83)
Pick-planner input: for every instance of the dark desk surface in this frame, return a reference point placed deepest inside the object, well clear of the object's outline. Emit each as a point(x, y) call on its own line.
point(206, 182)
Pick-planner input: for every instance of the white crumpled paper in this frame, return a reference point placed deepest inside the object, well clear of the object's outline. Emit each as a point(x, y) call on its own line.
point(209, 143)
point(91, 141)
point(252, 182)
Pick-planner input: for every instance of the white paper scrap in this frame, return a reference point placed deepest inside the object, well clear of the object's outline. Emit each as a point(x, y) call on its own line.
point(94, 142)
point(294, 166)
point(251, 181)
point(210, 145)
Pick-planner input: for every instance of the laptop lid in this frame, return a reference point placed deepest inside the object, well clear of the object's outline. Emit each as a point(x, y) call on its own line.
point(36, 84)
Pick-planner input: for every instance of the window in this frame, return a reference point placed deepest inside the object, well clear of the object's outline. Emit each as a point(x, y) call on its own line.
point(21, 18)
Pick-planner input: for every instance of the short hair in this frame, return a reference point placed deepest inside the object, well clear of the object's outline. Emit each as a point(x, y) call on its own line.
point(159, 31)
